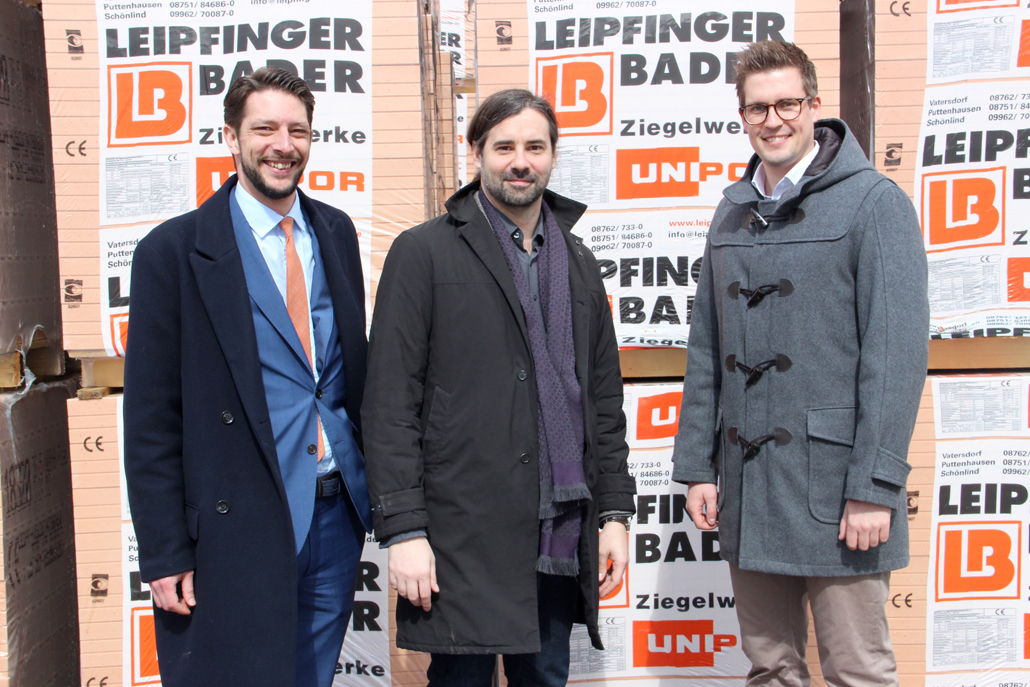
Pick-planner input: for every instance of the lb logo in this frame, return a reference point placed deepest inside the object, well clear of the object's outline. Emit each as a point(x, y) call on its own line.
point(964, 209)
point(149, 104)
point(978, 560)
point(579, 89)
point(144, 648)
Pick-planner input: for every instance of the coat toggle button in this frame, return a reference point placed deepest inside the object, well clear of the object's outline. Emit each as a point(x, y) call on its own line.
point(222, 507)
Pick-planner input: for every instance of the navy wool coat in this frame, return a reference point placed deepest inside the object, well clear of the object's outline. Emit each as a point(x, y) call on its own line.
point(200, 460)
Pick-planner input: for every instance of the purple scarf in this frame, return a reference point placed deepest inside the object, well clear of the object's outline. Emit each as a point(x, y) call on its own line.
point(563, 489)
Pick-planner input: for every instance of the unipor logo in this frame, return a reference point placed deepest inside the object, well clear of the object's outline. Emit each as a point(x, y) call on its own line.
point(977, 560)
point(677, 643)
point(660, 172)
point(149, 104)
point(658, 415)
point(579, 89)
point(964, 209)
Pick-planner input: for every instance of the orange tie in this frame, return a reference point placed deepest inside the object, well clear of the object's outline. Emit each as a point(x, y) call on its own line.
point(297, 305)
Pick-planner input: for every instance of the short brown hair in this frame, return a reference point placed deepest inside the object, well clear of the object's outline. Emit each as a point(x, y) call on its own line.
point(508, 103)
point(767, 56)
point(262, 80)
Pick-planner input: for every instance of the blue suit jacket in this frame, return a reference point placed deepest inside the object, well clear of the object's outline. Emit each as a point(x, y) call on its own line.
point(202, 464)
point(295, 400)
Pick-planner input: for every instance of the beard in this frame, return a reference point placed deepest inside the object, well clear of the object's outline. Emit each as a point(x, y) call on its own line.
point(253, 174)
point(513, 197)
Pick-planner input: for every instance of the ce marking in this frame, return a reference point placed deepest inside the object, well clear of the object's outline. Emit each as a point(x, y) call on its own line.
point(593, 149)
point(102, 683)
point(96, 442)
point(904, 8)
point(908, 601)
point(81, 148)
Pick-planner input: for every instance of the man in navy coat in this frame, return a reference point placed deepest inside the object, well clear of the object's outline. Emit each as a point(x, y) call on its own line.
point(243, 380)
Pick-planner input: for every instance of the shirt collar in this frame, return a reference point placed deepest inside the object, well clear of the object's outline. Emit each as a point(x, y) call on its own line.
point(516, 233)
point(789, 180)
point(263, 219)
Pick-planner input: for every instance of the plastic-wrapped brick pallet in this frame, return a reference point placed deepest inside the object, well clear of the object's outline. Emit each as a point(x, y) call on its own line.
point(77, 95)
point(38, 625)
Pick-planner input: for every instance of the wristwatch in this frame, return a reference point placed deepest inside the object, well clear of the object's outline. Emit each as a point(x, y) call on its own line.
point(623, 519)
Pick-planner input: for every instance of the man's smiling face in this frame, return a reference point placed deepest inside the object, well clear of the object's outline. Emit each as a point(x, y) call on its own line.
point(780, 144)
point(272, 146)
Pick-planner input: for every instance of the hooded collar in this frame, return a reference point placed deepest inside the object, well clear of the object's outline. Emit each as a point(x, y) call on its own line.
point(840, 156)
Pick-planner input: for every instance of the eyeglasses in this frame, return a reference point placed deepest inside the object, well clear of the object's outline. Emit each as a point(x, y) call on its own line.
point(786, 109)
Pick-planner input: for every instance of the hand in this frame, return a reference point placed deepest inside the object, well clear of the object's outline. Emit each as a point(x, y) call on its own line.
point(413, 571)
point(702, 505)
point(612, 546)
point(865, 525)
point(166, 593)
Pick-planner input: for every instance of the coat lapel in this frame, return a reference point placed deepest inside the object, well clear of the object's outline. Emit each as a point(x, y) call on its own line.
point(580, 304)
point(218, 270)
point(480, 236)
point(346, 288)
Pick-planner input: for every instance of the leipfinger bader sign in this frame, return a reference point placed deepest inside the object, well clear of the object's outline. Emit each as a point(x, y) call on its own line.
point(165, 68)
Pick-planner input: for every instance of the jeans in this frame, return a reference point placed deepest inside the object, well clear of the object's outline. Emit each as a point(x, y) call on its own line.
point(557, 597)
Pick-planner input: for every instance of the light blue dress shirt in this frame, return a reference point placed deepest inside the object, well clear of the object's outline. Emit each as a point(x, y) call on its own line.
point(271, 241)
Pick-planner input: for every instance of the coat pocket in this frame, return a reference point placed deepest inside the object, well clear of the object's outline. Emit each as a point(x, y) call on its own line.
point(437, 426)
point(831, 435)
point(192, 522)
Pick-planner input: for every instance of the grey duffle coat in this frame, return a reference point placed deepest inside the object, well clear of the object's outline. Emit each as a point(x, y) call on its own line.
point(450, 427)
point(806, 360)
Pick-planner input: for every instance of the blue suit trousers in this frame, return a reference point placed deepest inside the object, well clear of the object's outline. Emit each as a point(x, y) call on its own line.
point(327, 566)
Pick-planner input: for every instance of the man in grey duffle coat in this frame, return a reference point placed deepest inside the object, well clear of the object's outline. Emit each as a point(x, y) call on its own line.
point(806, 361)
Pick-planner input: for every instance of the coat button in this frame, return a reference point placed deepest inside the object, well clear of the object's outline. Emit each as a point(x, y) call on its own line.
point(312, 449)
point(522, 375)
point(524, 458)
point(318, 393)
point(227, 418)
point(222, 507)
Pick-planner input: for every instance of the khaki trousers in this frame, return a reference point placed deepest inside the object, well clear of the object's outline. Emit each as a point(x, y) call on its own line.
point(850, 628)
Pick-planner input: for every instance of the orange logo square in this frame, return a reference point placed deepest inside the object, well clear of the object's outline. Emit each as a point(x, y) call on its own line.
point(212, 172)
point(149, 104)
point(144, 648)
point(580, 89)
point(119, 324)
point(964, 209)
point(1019, 280)
point(978, 560)
point(658, 415)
